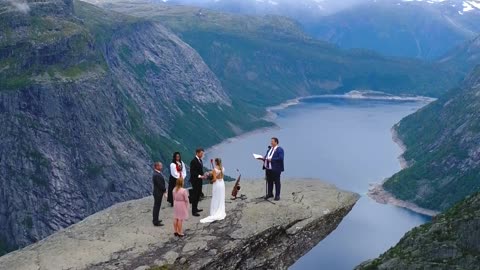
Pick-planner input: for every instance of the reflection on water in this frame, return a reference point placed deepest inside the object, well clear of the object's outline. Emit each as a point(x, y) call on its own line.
point(345, 142)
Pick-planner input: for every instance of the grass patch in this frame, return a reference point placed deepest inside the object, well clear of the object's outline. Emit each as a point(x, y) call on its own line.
point(15, 82)
point(5, 247)
point(94, 170)
point(28, 222)
point(77, 70)
point(163, 267)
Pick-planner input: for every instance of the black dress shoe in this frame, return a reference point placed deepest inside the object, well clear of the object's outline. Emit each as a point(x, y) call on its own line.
point(196, 214)
point(199, 210)
point(268, 197)
point(157, 224)
point(277, 199)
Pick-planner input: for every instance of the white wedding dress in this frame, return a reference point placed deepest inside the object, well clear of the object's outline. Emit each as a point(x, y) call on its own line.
point(217, 206)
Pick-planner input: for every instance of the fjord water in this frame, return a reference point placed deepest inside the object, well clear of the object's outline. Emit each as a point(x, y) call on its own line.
point(346, 142)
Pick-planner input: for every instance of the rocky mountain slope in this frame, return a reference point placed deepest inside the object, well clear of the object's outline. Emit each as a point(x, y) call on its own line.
point(443, 151)
point(464, 57)
point(401, 28)
point(255, 234)
point(450, 241)
point(270, 59)
point(88, 99)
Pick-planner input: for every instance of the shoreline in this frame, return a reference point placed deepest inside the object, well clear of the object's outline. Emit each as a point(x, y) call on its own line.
point(380, 195)
point(376, 190)
point(354, 94)
point(242, 135)
point(396, 139)
point(270, 116)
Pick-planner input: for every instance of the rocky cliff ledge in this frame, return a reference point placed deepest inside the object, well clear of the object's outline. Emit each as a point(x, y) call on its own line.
point(255, 235)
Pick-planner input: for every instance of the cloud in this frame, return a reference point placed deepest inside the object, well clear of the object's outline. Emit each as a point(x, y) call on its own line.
point(20, 5)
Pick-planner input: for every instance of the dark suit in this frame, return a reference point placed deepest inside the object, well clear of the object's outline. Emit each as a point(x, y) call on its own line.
point(274, 169)
point(158, 191)
point(196, 169)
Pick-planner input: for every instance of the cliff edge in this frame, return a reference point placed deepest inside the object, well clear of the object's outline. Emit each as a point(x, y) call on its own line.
point(255, 235)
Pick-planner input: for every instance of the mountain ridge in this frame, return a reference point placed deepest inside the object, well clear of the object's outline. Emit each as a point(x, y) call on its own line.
point(215, 36)
point(365, 24)
point(442, 153)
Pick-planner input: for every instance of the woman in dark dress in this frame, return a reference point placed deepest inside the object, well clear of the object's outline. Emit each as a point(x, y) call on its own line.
point(177, 170)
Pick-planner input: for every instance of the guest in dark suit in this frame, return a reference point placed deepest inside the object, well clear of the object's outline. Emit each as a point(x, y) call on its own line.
point(159, 191)
point(177, 170)
point(196, 179)
point(273, 164)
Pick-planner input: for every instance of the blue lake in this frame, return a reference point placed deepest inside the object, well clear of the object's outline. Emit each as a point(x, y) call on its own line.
point(346, 142)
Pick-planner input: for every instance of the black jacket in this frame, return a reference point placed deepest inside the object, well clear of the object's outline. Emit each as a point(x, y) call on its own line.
point(196, 169)
point(158, 184)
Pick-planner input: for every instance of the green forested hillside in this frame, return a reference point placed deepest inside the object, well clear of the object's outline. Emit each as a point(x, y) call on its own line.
point(451, 241)
point(443, 151)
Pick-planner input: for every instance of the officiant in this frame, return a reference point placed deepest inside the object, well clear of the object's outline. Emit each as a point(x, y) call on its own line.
point(273, 166)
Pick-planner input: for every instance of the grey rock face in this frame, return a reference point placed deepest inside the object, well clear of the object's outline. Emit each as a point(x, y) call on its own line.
point(255, 234)
point(161, 72)
point(87, 101)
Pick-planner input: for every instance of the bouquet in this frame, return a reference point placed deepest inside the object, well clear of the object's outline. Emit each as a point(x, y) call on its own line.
point(180, 169)
point(179, 166)
point(208, 176)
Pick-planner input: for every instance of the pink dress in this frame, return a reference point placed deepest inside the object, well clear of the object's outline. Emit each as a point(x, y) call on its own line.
point(180, 205)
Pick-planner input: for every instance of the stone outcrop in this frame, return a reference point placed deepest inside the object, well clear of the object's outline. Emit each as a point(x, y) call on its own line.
point(255, 235)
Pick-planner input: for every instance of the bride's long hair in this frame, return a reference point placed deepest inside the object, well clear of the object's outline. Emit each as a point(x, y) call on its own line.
point(218, 162)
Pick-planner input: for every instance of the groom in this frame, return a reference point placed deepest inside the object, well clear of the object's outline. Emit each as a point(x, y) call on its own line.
point(273, 165)
point(196, 170)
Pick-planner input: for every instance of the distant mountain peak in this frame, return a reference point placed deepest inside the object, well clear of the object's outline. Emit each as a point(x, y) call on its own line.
point(461, 6)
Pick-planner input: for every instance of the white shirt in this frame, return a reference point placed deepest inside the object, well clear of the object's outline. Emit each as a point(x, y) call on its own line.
point(268, 158)
point(174, 172)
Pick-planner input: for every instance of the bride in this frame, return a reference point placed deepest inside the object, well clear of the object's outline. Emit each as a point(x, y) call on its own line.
point(217, 206)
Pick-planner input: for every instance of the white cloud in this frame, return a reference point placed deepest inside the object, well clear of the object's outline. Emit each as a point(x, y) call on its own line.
point(20, 5)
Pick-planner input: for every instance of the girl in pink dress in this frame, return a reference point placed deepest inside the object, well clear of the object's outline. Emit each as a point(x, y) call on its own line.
point(180, 207)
